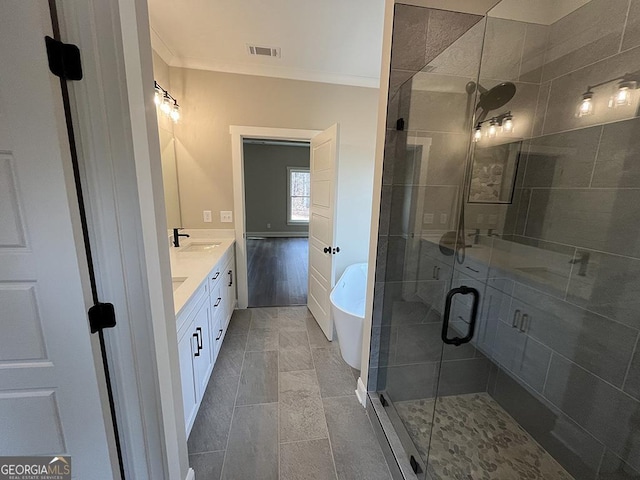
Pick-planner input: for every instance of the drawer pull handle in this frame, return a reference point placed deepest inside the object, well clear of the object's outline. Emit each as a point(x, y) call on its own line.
point(473, 269)
point(218, 302)
point(230, 277)
point(219, 335)
point(516, 319)
point(197, 354)
point(199, 334)
point(524, 323)
point(215, 276)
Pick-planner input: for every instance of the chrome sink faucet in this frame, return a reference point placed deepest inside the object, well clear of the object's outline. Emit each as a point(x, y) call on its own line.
point(176, 236)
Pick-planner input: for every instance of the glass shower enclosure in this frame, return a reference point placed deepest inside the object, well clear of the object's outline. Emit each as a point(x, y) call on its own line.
point(506, 316)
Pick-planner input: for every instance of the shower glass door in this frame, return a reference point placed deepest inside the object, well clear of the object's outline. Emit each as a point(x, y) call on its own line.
point(540, 216)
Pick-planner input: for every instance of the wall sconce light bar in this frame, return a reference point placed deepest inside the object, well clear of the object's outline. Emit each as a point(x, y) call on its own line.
point(502, 122)
point(627, 83)
point(167, 103)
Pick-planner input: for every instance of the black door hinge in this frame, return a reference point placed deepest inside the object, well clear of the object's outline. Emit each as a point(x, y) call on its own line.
point(102, 315)
point(64, 59)
point(383, 401)
point(415, 465)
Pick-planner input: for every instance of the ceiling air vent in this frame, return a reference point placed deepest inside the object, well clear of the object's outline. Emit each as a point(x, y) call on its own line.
point(263, 51)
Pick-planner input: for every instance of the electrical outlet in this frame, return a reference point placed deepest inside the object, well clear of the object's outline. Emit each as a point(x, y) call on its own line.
point(427, 218)
point(226, 216)
point(206, 216)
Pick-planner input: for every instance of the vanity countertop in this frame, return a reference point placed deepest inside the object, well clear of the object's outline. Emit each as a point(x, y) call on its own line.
point(192, 268)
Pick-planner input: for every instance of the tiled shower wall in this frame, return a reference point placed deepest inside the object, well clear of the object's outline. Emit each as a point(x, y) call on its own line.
point(573, 378)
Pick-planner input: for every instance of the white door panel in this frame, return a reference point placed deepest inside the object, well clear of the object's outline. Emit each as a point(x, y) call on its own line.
point(50, 386)
point(323, 167)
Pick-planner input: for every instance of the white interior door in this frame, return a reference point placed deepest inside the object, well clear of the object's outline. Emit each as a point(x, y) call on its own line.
point(51, 384)
point(323, 167)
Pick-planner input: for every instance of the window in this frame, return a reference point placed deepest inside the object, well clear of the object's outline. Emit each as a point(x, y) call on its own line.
point(299, 189)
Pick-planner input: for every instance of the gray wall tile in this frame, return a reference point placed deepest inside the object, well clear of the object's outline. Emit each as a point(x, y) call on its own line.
point(617, 164)
point(609, 415)
point(533, 53)
point(541, 109)
point(259, 379)
point(577, 334)
point(592, 219)
point(458, 377)
point(587, 35)
point(356, 452)
point(462, 57)
point(576, 450)
point(418, 344)
point(632, 29)
point(252, 451)
point(614, 468)
point(609, 285)
point(410, 382)
point(310, 460)
point(562, 160)
point(632, 382)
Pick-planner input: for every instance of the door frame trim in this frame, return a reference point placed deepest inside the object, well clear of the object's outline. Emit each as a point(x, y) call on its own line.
point(238, 134)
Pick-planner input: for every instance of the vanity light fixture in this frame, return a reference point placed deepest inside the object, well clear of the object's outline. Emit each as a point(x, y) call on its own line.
point(586, 105)
point(622, 96)
point(500, 123)
point(168, 104)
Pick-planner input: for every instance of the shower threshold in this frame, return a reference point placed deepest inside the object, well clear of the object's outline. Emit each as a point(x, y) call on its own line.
point(474, 438)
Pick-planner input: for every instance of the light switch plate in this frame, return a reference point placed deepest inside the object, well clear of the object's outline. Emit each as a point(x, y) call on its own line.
point(226, 216)
point(427, 218)
point(206, 216)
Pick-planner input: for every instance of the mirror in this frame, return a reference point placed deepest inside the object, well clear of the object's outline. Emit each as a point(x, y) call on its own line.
point(170, 176)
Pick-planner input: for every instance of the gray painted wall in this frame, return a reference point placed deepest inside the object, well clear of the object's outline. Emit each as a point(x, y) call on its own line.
point(265, 185)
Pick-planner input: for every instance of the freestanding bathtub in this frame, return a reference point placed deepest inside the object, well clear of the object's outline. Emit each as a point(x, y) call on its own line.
point(347, 306)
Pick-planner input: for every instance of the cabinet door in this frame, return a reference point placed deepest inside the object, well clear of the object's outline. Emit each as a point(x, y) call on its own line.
point(203, 361)
point(187, 348)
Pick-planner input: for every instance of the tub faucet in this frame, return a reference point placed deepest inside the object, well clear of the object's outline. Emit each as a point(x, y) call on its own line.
point(583, 260)
point(176, 236)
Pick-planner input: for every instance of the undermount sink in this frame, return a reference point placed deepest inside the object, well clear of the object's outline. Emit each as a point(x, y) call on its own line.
point(177, 281)
point(200, 247)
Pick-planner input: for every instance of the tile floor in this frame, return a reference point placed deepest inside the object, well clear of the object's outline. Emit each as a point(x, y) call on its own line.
point(475, 438)
point(281, 405)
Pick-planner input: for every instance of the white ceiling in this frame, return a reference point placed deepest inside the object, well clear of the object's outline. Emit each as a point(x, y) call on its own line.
point(335, 41)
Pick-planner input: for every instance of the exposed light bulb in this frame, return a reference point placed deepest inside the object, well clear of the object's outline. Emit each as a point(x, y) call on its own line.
point(157, 97)
point(165, 106)
point(477, 134)
point(493, 129)
point(175, 113)
point(507, 124)
point(586, 105)
point(622, 97)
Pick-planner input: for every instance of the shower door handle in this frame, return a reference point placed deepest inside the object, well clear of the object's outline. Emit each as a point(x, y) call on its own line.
point(457, 341)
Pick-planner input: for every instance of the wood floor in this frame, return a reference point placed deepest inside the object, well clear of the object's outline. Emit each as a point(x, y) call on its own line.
point(277, 271)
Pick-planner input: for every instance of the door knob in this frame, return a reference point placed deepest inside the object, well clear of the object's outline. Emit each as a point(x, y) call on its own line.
point(327, 249)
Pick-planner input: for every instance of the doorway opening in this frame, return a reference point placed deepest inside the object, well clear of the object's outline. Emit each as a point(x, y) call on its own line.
point(277, 198)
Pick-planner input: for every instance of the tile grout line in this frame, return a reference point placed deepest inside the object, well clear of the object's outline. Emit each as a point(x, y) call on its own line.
point(626, 373)
point(235, 401)
point(595, 158)
point(624, 27)
point(324, 412)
